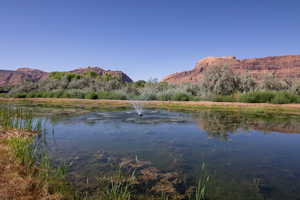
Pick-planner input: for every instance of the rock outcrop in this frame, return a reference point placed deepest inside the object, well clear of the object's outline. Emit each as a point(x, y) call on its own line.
point(21, 75)
point(282, 66)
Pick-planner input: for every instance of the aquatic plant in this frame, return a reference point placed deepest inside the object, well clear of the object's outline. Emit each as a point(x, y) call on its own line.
point(117, 187)
point(19, 118)
point(200, 192)
point(164, 196)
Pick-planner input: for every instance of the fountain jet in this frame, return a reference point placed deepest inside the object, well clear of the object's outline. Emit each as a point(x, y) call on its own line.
point(137, 105)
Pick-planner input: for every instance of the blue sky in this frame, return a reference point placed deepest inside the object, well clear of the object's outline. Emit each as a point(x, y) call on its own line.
point(144, 38)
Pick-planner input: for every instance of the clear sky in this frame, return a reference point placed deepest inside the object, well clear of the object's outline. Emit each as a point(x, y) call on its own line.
point(144, 38)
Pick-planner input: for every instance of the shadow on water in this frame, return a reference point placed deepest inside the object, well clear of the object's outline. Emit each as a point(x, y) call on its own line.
point(249, 156)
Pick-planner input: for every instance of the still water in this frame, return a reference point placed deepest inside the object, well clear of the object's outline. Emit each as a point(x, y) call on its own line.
point(247, 156)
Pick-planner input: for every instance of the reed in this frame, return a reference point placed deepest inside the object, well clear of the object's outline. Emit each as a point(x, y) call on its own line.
point(200, 192)
point(29, 151)
point(19, 118)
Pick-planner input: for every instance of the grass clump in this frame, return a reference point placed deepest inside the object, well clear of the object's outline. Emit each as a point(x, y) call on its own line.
point(117, 187)
point(204, 180)
point(19, 118)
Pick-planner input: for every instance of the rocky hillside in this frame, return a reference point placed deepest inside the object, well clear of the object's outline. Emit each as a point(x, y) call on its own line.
point(21, 75)
point(101, 71)
point(282, 66)
point(9, 77)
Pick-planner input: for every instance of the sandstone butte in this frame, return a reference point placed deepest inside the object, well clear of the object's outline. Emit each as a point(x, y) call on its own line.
point(10, 77)
point(281, 66)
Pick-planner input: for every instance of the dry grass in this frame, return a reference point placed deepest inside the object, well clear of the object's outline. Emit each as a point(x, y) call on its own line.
point(15, 182)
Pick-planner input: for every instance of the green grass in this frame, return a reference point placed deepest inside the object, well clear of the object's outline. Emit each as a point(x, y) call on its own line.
point(38, 164)
point(19, 118)
point(204, 180)
point(274, 97)
point(117, 187)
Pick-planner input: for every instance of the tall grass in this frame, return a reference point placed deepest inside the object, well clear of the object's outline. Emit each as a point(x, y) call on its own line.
point(200, 192)
point(38, 164)
point(19, 118)
point(28, 151)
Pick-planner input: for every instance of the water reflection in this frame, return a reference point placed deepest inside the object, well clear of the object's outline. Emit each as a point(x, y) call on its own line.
point(252, 156)
point(220, 124)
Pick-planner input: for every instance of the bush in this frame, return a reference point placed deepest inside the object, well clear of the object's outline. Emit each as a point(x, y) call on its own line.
point(111, 95)
point(220, 80)
point(285, 97)
point(276, 97)
point(91, 95)
point(181, 97)
point(224, 98)
point(148, 94)
point(257, 97)
point(20, 95)
point(76, 94)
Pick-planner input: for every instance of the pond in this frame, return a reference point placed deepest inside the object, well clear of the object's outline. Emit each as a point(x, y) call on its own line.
point(248, 156)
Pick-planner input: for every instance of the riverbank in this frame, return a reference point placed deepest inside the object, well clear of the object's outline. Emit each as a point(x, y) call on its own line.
point(17, 182)
point(170, 105)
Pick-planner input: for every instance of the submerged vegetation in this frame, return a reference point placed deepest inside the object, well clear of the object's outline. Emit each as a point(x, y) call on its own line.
point(220, 83)
point(47, 181)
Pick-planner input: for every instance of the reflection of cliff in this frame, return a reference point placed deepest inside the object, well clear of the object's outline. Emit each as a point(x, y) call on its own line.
point(220, 124)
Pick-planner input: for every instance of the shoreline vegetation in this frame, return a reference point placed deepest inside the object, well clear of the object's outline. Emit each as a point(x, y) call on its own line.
point(169, 105)
point(218, 84)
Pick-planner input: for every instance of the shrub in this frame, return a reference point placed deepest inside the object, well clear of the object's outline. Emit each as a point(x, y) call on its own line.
point(180, 97)
point(229, 98)
point(76, 94)
point(112, 95)
point(165, 96)
point(257, 97)
point(285, 97)
point(149, 93)
point(91, 95)
point(20, 95)
point(220, 80)
point(140, 83)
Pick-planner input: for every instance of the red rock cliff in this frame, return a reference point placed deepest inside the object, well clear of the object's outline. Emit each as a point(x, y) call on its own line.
point(283, 66)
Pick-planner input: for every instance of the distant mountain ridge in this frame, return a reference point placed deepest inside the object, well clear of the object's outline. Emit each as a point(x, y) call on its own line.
point(284, 67)
point(21, 75)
